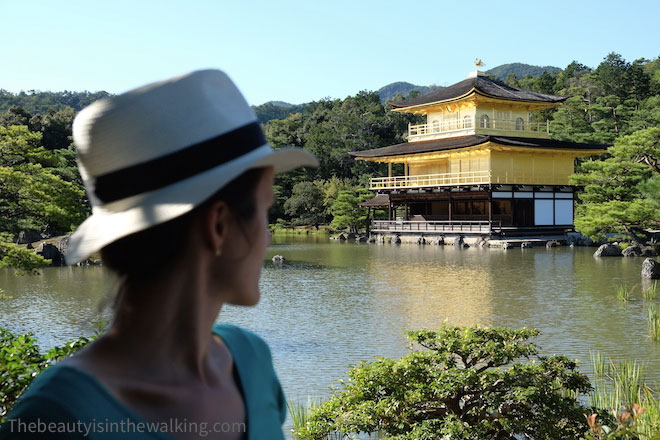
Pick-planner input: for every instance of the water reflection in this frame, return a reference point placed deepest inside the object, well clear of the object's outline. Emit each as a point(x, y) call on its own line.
point(57, 305)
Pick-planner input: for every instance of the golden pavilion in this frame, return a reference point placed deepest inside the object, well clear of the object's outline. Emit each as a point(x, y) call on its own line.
point(479, 165)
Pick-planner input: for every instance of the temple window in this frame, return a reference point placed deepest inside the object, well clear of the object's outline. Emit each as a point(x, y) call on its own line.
point(520, 124)
point(467, 122)
point(484, 121)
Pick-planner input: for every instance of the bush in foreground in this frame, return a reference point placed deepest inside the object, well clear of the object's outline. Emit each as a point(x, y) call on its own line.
point(465, 385)
point(21, 361)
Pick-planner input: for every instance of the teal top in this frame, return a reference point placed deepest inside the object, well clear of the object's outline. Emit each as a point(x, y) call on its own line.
point(65, 402)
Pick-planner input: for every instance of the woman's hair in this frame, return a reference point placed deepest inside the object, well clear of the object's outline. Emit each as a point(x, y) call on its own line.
point(144, 254)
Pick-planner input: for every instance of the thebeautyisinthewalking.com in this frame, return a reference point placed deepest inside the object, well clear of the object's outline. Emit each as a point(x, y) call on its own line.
point(124, 426)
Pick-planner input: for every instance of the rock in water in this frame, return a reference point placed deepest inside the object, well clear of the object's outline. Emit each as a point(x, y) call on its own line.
point(278, 259)
point(651, 269)
point(50, 252)
point(632, 251)
point(525, 245)
point(458, 242)
point(481, 242)
point(608, 250)
point(438, 241)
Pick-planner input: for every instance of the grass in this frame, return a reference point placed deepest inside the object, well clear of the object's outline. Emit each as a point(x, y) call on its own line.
point(623, 293)
point(654, 322)
point(620, 390)
point(299, 414)
point(599, 364)
point(651, 293)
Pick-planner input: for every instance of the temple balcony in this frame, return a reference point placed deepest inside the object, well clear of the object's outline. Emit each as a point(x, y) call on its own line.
point(467, 126)
point(464, 178)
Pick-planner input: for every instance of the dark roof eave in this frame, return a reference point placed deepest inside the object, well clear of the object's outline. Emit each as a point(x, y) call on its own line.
point(483, 85)
point(473, 141)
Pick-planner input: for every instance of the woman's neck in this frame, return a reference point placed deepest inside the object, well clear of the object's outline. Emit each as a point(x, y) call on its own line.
point(167, 321)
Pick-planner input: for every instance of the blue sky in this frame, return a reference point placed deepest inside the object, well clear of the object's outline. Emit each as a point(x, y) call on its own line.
point(298, 51)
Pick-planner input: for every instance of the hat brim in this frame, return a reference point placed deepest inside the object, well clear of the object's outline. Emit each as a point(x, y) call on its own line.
point(115, 220)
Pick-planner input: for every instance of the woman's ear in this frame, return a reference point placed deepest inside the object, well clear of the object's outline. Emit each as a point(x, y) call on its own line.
point(216, 226)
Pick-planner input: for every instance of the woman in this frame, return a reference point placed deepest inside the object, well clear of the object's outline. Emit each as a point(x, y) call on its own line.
point(180, 179)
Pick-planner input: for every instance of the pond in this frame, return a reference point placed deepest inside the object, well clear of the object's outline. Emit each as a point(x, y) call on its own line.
point(333, 304)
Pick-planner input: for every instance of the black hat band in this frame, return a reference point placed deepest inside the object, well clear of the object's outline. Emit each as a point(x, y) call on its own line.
point(180, 165)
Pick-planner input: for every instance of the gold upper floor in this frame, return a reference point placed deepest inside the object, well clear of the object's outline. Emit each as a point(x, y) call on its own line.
point(488, 163)
point(477, 114)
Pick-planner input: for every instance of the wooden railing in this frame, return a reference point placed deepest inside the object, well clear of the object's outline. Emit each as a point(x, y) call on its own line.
point(444, 179)
point(464, 178)
point(468, 123)
point(434, 226)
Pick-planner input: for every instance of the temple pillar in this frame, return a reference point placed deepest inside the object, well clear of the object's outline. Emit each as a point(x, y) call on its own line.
point(450, 209)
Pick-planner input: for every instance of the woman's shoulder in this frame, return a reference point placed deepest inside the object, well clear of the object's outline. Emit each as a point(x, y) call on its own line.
point(59, 395)
point(60, 383)
point(69, 387)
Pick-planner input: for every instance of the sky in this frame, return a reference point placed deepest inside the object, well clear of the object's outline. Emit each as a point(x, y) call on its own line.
point(300, 51)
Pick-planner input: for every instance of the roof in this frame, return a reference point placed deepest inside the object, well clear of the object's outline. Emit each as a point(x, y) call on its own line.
point(379, 200)
point(471, 141)
point(483, 84)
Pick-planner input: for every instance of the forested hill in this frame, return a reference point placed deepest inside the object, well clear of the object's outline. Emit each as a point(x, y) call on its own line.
point(276, 110)
point(35, 102)
point(390, 91)
point(40, 102)
point(272, 110)
point(521, 70)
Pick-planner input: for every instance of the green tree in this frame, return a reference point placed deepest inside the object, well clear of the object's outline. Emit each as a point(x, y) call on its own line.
point(306, 204)
point(511, 80)
point(612, 200)
point(614, 100)
point(288, 132)
point(466, 384)
point(32, 194)
point(15, 115)
point(20, 259)
point(331, 188)
point(55, 127)
point(346, 209)
point(647, 114)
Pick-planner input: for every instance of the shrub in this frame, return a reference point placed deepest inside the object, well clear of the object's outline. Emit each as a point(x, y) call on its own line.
point(464, 385)
point(21, 361)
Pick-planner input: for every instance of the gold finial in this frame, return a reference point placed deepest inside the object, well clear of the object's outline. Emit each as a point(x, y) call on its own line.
point(479, 63)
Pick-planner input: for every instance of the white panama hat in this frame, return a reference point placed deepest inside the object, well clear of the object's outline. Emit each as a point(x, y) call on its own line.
point(154, 153)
